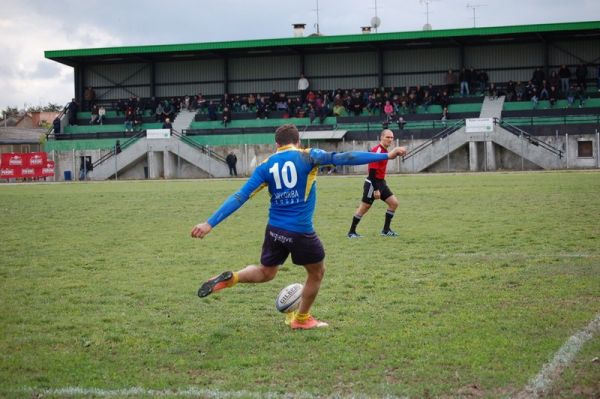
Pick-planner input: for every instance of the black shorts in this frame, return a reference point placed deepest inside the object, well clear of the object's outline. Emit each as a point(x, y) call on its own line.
point(368, 191)
point(279, 243)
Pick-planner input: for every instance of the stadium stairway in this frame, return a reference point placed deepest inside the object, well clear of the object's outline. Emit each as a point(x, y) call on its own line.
point(168, 149)
point(183, 120)
point(503, 134)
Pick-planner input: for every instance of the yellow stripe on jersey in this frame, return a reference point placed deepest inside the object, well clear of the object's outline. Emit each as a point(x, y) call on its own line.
point(310, 181)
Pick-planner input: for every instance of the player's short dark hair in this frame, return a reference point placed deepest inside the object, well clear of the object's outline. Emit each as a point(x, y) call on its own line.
point(287, 134)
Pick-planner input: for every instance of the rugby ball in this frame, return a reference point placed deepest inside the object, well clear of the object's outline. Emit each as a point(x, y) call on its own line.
point(289, 297)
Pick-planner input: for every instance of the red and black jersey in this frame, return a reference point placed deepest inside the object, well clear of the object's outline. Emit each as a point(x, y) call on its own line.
point(377, 169)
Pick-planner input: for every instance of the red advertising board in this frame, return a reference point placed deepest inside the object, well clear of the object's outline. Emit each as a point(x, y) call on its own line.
point(30, 165)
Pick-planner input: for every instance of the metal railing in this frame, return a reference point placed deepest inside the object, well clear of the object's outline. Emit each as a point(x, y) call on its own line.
point(50, 134)
point(526, 136)
point(439, 136)
point(123, 146)
point(202, 148)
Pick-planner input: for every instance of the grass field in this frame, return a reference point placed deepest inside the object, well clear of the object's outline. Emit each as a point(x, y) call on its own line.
point(492, 274)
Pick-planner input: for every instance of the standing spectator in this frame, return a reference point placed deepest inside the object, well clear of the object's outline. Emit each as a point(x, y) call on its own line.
point(465, 78)
point(483, 81)
point(538, 77)
point(564, 74)
point(72, 109)
point(303, 85)
point(450, 82)
point(89, 97)
point(85, 167)
point(581, 76)
point(231, 160)
point(56, 125)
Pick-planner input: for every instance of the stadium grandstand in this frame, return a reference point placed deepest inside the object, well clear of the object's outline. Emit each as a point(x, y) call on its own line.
point(510, 98)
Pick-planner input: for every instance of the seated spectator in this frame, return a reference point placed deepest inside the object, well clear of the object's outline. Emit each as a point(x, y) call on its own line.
point(201, 103)
point(552, 95)
point(444, 99)
point(251, 102)
point(212, 110)
point(570, 95)
point(281, 104)
point(388, 110)
point(580, 95)
point(445, 116)
point(262, 109)
point(401, 123)
point(544, 90)
point(167, 124)
point(129, 117)
point(101, 114)
point(225, 116)
point(356, 104)
point(534, 98)
point(492, 91)
point(159, 112)
point(519, 91)
point(427, 101)
point(137, 120)
point(94, 115)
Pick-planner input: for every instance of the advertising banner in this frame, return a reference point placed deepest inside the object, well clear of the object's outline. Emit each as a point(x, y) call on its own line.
point(31, 165)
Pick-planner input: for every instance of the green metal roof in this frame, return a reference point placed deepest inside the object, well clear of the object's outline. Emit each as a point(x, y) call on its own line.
point(325, 40)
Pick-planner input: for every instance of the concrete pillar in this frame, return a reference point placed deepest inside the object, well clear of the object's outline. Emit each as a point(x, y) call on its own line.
point(473, 156)
point(170, 165)
point(153, 165)
point(490, 156)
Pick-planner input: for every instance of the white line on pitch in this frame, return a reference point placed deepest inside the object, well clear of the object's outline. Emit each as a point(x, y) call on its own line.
point(541, 383)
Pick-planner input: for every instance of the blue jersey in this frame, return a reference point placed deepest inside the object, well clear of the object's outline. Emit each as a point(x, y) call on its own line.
point(290, 175)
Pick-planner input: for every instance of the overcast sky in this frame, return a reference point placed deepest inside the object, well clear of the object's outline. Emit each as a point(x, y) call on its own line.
point(30, 27)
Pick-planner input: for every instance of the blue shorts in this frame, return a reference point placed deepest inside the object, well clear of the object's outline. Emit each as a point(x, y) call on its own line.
point(279, 243)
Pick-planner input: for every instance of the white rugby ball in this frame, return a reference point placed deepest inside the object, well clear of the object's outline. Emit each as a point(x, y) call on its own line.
point(289, 297)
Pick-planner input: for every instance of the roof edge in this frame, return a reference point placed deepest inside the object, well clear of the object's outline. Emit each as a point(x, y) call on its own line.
point(336, 39)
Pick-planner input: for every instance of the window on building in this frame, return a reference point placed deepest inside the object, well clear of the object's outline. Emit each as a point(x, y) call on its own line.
point(585, 149)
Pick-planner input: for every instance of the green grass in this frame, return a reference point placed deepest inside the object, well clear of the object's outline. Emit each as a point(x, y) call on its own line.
point(491, 275)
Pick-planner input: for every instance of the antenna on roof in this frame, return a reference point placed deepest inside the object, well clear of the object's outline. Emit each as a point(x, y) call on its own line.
point(317, 24)
point(375, 21)
point(475, 6)
point(427, 25)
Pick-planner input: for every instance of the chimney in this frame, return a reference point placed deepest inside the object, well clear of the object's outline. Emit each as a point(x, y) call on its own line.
point(299, 30)
point(365, 29)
